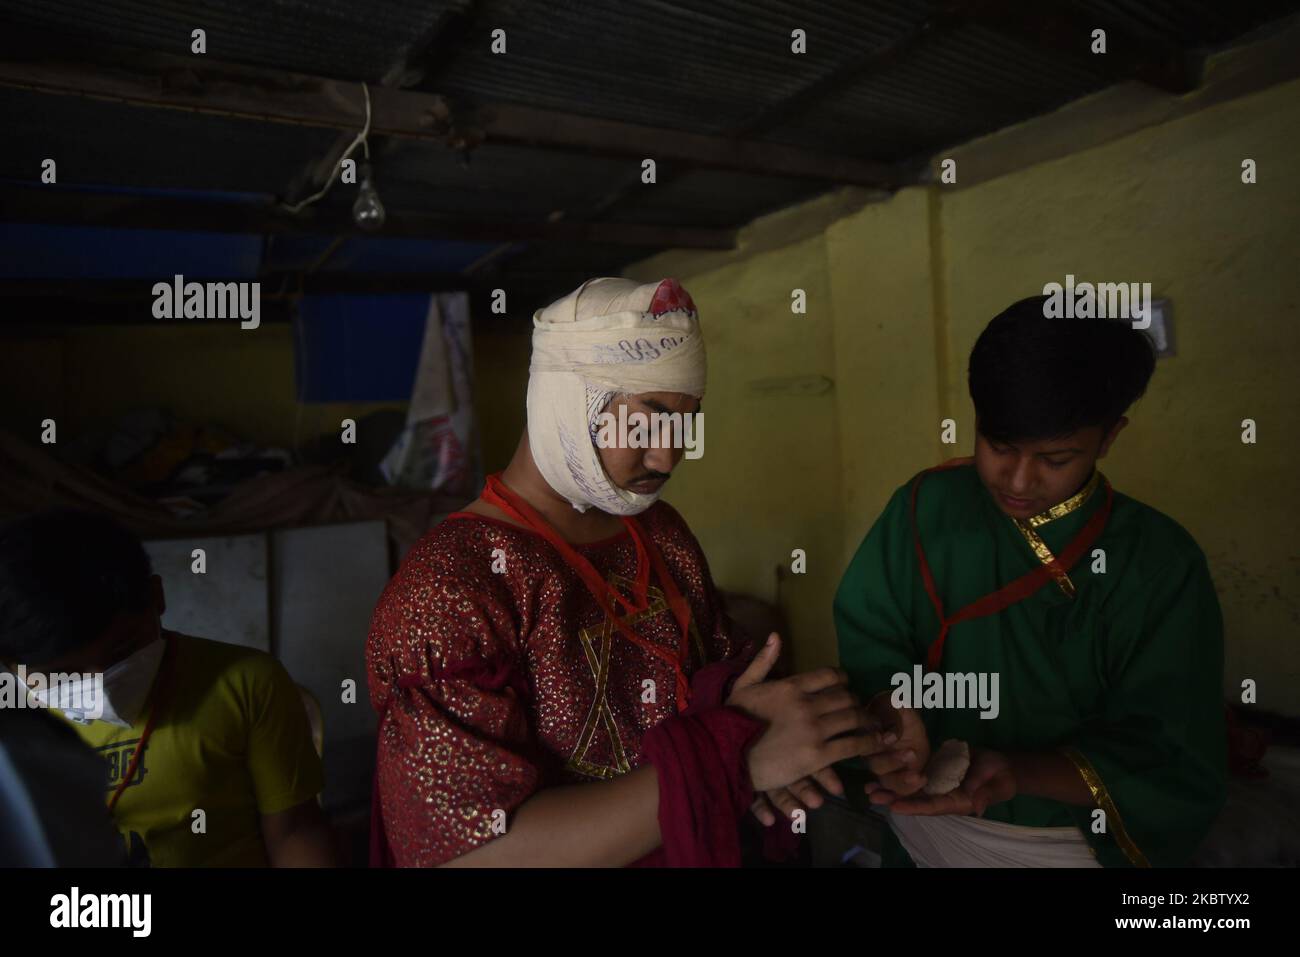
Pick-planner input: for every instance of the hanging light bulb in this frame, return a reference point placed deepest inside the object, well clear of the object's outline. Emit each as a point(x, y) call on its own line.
point(368, 211)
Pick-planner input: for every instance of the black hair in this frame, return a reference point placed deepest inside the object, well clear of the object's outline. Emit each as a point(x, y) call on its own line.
point(64, 575)
point(1035, 377)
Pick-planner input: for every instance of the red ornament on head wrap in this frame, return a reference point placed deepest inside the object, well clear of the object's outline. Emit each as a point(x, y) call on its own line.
point(671, 297)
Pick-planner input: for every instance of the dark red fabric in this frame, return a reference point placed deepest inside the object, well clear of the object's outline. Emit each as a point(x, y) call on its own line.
point(704, 787)
point(380, 853)
point(497, 493)
point(492, 676)
point(711, 685)
point(724, 779)
point(710, 688)
point(779, 842)
point(489, 675)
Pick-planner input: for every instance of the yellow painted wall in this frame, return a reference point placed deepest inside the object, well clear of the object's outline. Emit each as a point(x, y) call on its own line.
point(501, 353)
point(218, 373)
point(911, 281)
point(1167, 205)
point(769, 479)
point(886, 365)
point(85, 376)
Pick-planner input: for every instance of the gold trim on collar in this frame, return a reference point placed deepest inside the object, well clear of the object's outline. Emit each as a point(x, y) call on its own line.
point(1046, 557)
point(1027, 526)
point(1071, 504)
point(1104, 801)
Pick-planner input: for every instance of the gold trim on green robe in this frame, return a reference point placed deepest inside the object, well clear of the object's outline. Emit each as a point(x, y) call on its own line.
point(1028, 528)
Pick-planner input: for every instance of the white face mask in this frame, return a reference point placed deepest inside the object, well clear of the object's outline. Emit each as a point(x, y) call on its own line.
point(125, 686)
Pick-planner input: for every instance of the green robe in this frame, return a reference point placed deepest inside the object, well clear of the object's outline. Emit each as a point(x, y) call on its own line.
point(1126, 676)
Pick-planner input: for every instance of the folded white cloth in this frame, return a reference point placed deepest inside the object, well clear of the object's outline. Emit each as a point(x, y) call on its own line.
point(951, 840)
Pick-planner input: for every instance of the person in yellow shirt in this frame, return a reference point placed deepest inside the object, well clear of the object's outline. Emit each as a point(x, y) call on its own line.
point(207, 746)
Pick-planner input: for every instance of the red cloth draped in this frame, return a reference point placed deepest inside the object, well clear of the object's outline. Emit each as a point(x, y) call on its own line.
point(704, 787)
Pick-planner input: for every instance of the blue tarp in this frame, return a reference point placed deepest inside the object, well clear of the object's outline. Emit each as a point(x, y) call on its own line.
point(29, 251)
point(358, 348)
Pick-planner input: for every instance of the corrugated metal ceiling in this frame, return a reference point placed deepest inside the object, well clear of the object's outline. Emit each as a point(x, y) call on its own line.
point(334, 38)
point(96, 142)
point(950, 89)
point(706, 66)
point(701, 67)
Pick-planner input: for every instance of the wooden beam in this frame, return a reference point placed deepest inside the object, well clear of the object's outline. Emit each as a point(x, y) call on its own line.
point(52, 204)
point(503, 122)
point(23, 314)
point(403, 72)
point(31, 306)
point(199, 85)
point(274, 286)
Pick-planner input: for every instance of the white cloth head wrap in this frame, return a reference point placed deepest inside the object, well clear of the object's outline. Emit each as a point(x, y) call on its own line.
point(608, 336)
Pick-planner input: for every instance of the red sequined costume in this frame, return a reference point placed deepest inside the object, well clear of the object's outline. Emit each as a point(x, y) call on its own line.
point(496, 673)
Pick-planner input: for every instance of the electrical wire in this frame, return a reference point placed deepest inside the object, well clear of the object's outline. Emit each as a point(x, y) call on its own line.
point(361, 139)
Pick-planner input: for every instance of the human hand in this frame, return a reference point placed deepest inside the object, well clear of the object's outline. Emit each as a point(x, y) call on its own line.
point(803, 795)
point(812, 722)
point(901, 769)
point(991, 779)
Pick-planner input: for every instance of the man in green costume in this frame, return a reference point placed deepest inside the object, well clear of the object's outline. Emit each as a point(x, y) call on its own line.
point(1091, 616)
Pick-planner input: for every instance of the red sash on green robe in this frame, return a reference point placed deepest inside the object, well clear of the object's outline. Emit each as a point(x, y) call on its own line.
point(1007, 595)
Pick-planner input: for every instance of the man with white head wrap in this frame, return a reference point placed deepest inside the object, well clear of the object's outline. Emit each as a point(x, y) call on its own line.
point(556, 680)
point(607, 337)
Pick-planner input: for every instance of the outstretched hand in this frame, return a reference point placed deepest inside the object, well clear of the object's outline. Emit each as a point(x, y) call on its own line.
point(990, 780)
point(804, 795)
point(901, 769)
point(813, 721)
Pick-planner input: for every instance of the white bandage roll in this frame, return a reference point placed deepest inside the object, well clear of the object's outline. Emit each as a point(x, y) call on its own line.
point(610, 335)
